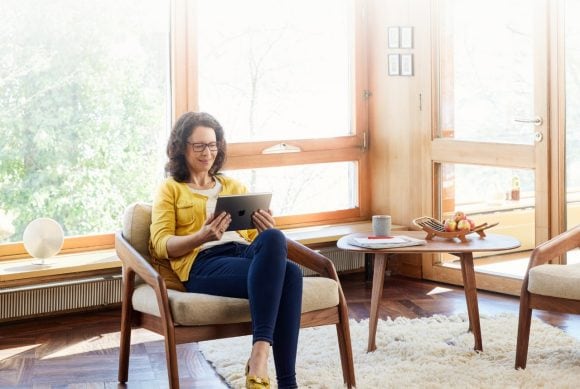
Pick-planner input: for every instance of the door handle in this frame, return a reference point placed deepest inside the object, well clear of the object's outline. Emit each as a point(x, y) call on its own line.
point(536, 121)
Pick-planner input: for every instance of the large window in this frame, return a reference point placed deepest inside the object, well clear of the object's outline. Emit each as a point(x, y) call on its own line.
point(280, 77)
point(88, 91)
point(84, 107)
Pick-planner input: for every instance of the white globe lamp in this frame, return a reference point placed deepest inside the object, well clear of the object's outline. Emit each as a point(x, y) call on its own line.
point(43, 238)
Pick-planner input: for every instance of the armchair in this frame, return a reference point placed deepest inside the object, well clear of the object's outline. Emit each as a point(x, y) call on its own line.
point(548, 287)
point(192, 317)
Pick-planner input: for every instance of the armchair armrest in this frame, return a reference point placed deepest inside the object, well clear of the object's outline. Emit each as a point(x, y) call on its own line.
point(555, 247)
point(134, 263)
point(309, 258)
point(133, 260)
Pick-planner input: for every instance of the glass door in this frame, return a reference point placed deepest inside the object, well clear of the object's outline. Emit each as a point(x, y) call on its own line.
point(489, 147)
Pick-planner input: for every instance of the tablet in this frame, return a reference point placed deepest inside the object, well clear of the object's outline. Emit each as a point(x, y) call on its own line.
point(241, 207)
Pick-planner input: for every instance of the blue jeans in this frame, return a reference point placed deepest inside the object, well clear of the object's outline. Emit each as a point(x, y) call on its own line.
point(262, 274)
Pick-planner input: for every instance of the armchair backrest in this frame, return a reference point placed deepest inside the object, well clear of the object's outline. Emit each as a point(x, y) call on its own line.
point(136, 224)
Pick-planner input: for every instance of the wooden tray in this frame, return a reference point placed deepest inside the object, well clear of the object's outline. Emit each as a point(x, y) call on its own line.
point(434, 227)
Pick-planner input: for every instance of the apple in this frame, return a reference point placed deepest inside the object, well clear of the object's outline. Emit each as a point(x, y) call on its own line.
point(449, 225)
point(471, 224)
point(459, 216)
point(463, 225)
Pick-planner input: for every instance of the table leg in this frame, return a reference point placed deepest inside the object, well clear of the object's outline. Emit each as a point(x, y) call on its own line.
point(379, 265)
point(368, 267)
point(464, 277)
point(468, 273)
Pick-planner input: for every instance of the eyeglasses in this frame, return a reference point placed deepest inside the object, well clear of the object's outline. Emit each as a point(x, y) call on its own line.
point(200, 147)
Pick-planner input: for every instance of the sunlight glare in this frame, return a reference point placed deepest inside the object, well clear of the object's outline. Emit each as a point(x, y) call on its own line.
point(10, 352)
point(438, 290)
point(103, 342)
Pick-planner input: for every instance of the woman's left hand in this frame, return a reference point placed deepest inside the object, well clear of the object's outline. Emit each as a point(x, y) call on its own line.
point(263, 220)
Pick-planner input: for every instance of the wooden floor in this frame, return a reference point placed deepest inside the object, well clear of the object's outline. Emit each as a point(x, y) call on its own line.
point(81, 350)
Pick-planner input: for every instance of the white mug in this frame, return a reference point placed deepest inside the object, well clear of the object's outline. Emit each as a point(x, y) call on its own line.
point(381, 225)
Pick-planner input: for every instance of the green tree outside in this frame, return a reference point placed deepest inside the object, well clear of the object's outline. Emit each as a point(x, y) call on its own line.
point(83, 110)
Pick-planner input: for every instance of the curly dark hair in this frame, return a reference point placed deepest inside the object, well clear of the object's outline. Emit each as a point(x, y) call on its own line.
point(176, 167)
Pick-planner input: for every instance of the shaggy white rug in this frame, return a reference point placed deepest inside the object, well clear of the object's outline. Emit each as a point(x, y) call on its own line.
point(435, 352)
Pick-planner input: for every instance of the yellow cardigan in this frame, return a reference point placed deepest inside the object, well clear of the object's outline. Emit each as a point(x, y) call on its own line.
point(177, 211)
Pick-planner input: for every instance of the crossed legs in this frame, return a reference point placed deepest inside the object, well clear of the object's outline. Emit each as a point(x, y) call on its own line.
point(261, 273)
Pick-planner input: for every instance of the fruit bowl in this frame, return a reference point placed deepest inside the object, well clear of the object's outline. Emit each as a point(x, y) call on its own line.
point(434, 227)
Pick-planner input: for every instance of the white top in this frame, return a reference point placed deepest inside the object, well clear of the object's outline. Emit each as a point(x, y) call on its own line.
point(212, 196)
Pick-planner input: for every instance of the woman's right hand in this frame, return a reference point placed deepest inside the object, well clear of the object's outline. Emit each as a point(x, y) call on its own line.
point(214, 227)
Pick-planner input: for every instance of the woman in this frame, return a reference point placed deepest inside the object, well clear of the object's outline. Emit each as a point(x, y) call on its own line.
point(208, 259)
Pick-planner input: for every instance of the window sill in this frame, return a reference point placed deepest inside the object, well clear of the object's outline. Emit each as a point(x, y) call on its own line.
point(324, 234)
point(318, 236)
point(22, 272)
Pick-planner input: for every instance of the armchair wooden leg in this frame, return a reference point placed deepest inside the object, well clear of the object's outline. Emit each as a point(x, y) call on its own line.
point(171, 357)
point(126, 320)
point(166, 321)
point(524, 324)
point(344, 343)
point(125, 346)
point(346, 357)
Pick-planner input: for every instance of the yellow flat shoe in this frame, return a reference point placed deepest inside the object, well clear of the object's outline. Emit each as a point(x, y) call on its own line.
point(255, 382)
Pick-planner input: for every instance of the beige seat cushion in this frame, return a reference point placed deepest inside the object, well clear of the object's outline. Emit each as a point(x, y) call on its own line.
point(555, 280)
point(190, 309)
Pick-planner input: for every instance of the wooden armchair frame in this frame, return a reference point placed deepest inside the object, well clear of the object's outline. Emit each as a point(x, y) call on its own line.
point(134, 263)
point(545, 252)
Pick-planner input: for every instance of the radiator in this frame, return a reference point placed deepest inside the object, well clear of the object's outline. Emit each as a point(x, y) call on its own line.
point(59, 297)
point(100, 292)
point(343, 260)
